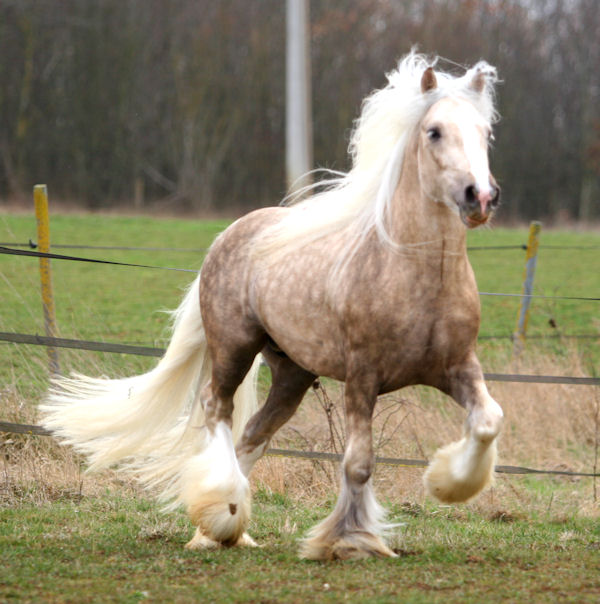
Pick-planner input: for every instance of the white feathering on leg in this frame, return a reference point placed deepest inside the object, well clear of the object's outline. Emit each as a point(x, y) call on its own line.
point(460, 470)
point(353, 530)
point(215, 491)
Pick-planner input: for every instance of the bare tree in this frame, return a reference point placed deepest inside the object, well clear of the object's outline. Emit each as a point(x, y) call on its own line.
point(183, 101)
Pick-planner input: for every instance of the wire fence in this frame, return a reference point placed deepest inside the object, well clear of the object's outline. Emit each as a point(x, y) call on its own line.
point(51, 256)
point(122, 248)
point(33, 430)
point(22, 338)
point(32, 339)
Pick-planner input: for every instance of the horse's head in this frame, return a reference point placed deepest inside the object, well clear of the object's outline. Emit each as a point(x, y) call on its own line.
point(453, 144)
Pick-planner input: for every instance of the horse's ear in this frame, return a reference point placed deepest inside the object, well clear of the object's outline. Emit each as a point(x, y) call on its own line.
point(478, 82)
point(428, 81)
point(481, 76)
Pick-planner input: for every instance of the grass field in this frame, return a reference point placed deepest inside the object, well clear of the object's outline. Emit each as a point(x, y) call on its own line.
point(120, 549)
point(87, 303)
point(66, 536)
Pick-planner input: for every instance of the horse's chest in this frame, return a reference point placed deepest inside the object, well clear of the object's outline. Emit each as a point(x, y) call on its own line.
point(411, 339)
point(422, 348)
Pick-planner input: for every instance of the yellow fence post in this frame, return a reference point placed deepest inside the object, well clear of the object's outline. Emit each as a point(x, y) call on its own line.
point(40, 198)
point(528, 276)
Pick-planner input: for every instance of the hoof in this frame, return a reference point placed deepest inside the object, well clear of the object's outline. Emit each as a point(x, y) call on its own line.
point(352, 546)
point(200, 541)
point(221, 521)
point(214, 490)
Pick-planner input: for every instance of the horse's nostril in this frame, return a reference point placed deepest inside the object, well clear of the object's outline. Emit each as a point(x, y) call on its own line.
point(471, 194)
point(495, 196)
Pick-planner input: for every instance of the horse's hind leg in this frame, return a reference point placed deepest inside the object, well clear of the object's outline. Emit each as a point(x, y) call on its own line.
point(219, 500)
point(462, 469)
point(353, 528)
point(289, 384)
point(214, 490)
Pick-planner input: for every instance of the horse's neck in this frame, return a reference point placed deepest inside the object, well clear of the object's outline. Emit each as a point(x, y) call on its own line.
point(417, 220)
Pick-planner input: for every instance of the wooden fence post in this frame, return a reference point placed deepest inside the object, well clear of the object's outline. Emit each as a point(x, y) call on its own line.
point(40, 198)
point(528, 276)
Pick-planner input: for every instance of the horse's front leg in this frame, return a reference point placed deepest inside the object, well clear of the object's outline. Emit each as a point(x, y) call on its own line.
point(353, 529)
point(462, 469)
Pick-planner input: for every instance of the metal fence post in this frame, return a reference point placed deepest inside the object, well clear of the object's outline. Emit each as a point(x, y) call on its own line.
point(40, 198)
point(528, 276)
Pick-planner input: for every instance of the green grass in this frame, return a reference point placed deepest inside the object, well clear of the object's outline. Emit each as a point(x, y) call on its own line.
point(119, 302)
point(102, 301)
point(560, 272)
point(120, 549)
point(96, 302)
point(105, 301)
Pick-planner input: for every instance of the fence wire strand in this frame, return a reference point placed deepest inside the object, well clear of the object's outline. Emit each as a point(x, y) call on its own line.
point(21, 338)
point(470, 248)
point(11, 252)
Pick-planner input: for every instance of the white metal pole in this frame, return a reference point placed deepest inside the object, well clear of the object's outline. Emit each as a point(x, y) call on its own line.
point(298, 95)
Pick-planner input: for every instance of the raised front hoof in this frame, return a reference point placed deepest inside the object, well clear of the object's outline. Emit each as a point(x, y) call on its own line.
point(201, 542)
point(456, 492)
point(441, 481)
point(351, 546)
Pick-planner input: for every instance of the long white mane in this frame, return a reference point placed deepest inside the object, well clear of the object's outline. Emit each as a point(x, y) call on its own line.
point(360, 200)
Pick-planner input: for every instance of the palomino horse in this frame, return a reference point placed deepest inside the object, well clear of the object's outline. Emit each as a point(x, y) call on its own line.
point(367, 282)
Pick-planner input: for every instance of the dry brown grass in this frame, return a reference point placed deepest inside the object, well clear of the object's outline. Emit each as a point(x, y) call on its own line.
point(36, 469)
point(552, 427)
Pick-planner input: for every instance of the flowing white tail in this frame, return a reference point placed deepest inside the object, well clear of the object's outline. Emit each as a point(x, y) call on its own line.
point(150, 424)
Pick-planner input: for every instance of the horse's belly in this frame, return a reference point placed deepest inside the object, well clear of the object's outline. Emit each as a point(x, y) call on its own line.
point(310, 338)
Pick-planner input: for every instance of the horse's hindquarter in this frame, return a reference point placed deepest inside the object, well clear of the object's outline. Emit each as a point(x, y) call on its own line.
point(244, 294)
point(289, 296)
point(225, 294)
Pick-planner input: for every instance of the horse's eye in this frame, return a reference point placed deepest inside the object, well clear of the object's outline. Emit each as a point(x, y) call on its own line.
point(434, 134)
